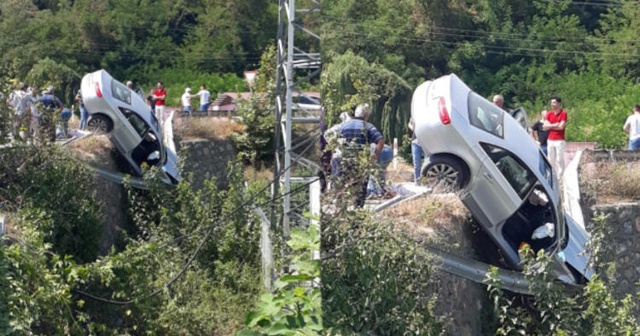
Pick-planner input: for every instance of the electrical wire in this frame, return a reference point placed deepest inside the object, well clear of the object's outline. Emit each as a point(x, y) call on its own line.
point(211, 227)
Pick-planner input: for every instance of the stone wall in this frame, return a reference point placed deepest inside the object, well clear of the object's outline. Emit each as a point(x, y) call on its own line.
point(206, 158)
point(622, 244)
point(463, 303)
point(203, 158)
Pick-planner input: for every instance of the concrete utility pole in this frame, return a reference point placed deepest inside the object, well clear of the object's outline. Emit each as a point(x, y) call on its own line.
point(290, 60)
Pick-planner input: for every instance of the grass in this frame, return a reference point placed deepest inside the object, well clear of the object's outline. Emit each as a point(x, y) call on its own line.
point(206, 128)
point(426, 216)
point(94, 149)
point(262, 173)
point(611, 182)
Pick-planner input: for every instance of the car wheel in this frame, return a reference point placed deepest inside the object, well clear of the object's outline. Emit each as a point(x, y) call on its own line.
point(445, 174)
point(100, 124)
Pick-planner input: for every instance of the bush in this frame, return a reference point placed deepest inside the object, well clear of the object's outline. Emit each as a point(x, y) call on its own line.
point(56, 188)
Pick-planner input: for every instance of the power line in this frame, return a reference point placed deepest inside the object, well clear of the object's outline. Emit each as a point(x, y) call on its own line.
point(211, 227)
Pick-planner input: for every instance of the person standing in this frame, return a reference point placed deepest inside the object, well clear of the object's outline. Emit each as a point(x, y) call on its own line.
point(51, 105)
point(159, 96)
point(632, 126)
point(18, 99)
point(84, 114)
point(555, 123)
point(205, 97)
point(539, 134)
point(186, 101)
point(416, 152)
point(357, 134)
point(33, 97)
point(498, 100)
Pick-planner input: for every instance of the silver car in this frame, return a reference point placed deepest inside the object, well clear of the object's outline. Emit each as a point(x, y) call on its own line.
point(502, 176)
point(116, 110)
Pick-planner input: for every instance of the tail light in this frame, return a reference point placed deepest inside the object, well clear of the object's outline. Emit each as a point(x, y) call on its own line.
point(98, 91)
point(442, 111)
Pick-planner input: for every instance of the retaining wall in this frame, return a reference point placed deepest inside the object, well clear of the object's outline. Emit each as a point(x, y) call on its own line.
point(202, 158)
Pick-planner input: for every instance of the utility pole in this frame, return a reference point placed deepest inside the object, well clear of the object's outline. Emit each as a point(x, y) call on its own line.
point(290, 59)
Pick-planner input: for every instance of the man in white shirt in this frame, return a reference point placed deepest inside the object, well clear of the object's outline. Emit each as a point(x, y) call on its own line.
point(205, 97)
point(18, 100)
point(33, 96)
point(632, 126)
point(186, 101)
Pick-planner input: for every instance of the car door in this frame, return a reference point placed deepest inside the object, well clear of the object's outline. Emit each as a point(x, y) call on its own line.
point(502, 184)
point(127, 135)
point(520, 115)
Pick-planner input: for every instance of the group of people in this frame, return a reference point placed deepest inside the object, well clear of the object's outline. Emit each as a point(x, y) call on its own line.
point(203, 94)
point(36, 114)
point(549, 133)
point(157, 100)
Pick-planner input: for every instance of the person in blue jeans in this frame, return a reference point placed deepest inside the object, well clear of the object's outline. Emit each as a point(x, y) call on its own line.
point(416, 153)
point(377, 183)
point(84, 114)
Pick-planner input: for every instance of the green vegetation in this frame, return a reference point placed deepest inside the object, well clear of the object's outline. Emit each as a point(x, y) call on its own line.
point(555, 309)
point(189, 256)
point(525, 50)
point(186, 261)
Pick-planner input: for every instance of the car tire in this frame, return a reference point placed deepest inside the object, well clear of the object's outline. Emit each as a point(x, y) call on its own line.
point(100, 124)
point(445, 174)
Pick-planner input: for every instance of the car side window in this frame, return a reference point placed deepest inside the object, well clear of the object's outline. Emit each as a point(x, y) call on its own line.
point(121, 92)
point(485, 115)
point(138, 124)
point(514, 171)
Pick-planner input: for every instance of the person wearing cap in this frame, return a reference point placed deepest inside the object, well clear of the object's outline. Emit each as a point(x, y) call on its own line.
point(186, 101)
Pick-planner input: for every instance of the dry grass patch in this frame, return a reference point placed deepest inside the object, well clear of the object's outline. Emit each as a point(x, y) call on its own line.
point(94, 149)
point(207, 128)
point(611, 182)
point(262, 173)
point(426, 216)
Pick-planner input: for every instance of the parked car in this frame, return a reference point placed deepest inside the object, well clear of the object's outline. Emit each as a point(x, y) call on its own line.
point(306, 103)
point(502, 177)
point(116, 110)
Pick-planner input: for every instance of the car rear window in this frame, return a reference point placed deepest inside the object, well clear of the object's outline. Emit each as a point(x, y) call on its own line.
point(121, 92)
point(485, 115)
point(521, 178)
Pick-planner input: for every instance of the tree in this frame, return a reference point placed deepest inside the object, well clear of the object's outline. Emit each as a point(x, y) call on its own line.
point(350, 80)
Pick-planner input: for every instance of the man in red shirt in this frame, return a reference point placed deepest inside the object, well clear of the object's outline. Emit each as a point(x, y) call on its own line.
point(556, 123)
point(159, 95)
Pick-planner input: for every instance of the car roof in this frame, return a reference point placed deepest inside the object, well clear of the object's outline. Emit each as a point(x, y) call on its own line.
point(515, 138)
point(138, 105)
